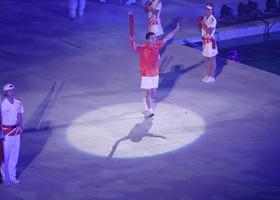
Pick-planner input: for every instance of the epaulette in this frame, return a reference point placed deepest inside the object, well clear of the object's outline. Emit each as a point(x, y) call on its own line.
point(19, 100)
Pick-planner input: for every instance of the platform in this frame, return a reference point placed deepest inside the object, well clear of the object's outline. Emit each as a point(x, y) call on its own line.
point(86, 136)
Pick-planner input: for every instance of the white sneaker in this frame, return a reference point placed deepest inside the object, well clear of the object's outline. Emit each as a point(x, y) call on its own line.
point(130, 2)
point(204, 79)
point(81, 13)
point(72, 17)
point(15, 181)
point(151, 112)
point(209, 79)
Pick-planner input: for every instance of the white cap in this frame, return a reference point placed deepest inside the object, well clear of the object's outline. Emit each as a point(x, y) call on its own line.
point(209, 6)
point(8, 86)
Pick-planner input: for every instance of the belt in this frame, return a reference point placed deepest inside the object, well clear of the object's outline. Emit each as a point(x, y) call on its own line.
point(10, 130)
point(6, 126)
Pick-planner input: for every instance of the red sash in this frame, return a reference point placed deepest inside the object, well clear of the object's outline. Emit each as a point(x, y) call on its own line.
point(11, 130)
point(208, 40)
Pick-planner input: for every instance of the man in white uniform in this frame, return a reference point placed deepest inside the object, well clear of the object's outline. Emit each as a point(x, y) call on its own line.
point(11, 110)
point(74, 5)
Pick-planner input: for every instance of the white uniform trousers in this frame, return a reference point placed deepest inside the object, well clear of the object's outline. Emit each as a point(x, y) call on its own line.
point(11, 146)
point(73, 5)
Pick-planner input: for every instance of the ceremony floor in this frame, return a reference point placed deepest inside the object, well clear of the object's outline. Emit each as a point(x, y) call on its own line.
point(85, 133)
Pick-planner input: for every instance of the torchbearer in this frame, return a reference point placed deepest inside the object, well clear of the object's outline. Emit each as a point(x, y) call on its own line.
point(149, 59)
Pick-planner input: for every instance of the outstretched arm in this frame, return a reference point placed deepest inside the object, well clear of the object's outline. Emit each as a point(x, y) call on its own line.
point(171, 34)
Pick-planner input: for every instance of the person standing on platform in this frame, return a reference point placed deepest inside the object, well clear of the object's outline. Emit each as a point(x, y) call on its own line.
point(209, 46)
point(76, 7)
point(153, 8)
point(11, 111)
point(149, 64)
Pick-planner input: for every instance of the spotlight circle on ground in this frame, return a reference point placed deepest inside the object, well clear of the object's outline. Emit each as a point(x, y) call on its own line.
point(122, 131)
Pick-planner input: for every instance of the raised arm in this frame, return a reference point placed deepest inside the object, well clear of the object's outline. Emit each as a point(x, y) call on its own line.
point(132, 43)
point(171, 34)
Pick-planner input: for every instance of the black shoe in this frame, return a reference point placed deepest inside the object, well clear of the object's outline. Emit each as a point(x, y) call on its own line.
point(151, 115)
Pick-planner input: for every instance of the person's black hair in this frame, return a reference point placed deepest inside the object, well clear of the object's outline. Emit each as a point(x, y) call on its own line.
point(149, 34)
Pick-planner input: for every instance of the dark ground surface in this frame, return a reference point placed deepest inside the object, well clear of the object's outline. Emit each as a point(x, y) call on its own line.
point(264, 55)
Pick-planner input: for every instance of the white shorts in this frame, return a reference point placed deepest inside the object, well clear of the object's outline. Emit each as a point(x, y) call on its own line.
point(149, 82)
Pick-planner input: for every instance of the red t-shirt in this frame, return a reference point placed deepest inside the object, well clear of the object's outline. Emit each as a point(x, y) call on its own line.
point(149, 58)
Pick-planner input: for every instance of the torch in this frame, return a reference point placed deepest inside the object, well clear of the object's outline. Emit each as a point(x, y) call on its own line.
point(131, 27)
